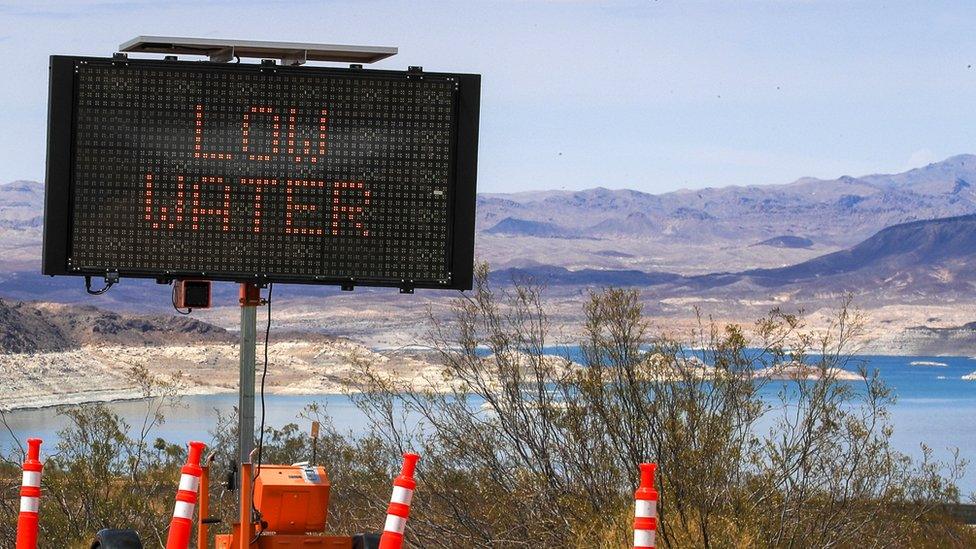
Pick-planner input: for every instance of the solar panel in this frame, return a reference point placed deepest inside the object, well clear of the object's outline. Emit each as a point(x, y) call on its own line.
point(292, 53)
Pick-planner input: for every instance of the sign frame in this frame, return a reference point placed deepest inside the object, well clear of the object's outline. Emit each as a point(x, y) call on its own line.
point(59, 187)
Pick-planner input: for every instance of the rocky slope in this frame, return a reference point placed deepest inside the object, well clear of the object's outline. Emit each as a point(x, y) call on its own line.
point(46, 327)
point(928, 340)
point(54, 354)
point(936, 256)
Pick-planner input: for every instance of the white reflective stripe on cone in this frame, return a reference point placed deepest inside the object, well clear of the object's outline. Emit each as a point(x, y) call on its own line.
point(183, 510)
point(394, 524)
point(32, 478)
point(29, 504)
point(644, 538)
point(402, 495)
point(646, 508)
point(189, 483)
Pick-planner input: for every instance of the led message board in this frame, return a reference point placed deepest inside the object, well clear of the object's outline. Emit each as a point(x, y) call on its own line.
point(246, 172)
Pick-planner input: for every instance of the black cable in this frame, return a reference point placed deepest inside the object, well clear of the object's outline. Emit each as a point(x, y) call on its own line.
point(173, 301)
point(264, 375)
point(88, 287)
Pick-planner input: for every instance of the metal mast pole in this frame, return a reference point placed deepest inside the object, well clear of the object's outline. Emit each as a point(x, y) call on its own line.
point(250, 299)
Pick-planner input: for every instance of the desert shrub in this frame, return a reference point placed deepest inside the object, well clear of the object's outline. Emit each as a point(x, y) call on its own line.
point(528, 449)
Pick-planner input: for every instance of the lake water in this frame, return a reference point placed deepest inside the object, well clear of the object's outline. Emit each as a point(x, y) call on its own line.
point(934, 406)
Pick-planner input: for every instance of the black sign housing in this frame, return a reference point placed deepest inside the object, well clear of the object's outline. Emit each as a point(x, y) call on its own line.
point(261, 173)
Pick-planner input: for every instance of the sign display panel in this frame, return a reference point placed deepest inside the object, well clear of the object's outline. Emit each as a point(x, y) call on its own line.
point(171, 169)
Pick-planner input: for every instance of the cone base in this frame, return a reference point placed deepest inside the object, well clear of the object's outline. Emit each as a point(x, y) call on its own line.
point(27, 531)
point(391, 540)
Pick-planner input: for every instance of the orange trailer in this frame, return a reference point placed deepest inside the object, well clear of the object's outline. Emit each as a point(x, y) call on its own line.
point(293, 501)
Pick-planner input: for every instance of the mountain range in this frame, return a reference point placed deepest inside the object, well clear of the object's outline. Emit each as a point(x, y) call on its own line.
point(715, 229)
point(836, 212)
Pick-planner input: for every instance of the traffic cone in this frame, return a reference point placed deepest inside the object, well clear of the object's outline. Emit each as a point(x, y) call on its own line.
point(30, 496)
point(645, 513)
point(399, 509)
point(181, 526)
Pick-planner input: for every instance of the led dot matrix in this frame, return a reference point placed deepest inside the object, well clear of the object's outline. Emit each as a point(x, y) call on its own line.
point(333, 175)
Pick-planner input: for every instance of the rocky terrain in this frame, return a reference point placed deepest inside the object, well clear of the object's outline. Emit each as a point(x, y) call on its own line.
point(927, 340)
point(61, 354)
point(93, 373)
point(45, 327)
point(935, 256)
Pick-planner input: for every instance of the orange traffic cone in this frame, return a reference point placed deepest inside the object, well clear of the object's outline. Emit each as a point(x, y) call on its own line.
point(399, 509)
point(645, 513)
point(30, 496)
point(181, 526)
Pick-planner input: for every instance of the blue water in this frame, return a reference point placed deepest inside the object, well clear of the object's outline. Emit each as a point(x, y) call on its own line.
point(934, 405)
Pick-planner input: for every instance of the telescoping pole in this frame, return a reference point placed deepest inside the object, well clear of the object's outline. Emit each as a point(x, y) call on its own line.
point(250, 299)
point(203, 507)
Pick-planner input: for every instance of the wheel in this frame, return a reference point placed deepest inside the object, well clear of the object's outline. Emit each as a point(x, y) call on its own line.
point(110, 538)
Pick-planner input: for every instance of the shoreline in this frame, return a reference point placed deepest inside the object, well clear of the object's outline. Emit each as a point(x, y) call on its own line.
point(51, 405)
point(55, 401)
point(101, 373)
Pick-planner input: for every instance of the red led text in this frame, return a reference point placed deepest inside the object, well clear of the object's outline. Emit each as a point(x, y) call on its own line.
point(310, 207)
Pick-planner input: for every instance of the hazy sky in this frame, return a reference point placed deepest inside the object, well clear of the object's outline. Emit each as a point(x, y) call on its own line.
point(652, 95)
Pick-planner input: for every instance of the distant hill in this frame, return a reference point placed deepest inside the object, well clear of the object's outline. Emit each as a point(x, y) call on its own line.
point(21, 205)
point(786, 241)
point(930, 253)
point(559, 276)
point(41, 327)
point(21, 220)
point(932, 257)
point(521, 227)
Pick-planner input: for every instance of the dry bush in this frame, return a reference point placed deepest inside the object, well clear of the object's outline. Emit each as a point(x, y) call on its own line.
point(530, 450)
